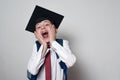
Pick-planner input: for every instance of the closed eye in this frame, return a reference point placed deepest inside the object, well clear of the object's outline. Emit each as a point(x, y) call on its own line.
point(47, 24)
point(38, 27)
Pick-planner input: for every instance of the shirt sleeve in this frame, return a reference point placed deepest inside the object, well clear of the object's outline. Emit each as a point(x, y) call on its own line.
point(36, 60)
point(64, 52)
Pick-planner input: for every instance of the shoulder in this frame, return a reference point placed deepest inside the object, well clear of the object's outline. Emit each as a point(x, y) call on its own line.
point(58, 39)
point(64, 42)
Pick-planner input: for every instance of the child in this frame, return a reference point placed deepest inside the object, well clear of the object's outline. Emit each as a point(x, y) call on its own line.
point(48, 63)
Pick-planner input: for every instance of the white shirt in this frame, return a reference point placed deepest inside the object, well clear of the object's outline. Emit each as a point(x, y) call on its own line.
point(37, 60)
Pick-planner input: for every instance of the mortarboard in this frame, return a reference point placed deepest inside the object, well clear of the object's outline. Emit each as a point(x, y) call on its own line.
point(39, 14)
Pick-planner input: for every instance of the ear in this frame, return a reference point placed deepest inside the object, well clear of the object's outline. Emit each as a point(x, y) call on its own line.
point(34, 32)
point(56, 30)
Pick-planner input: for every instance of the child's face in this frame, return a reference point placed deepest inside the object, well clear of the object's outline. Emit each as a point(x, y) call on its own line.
point(43, 29)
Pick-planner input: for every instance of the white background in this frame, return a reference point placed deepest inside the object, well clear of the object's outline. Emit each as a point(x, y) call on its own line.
point(91, 26)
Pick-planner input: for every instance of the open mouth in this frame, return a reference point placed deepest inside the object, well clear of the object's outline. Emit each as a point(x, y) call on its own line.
point(45, 34)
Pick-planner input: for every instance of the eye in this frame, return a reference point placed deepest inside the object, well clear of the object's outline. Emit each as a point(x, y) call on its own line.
point(38, 27)
point(47, 24)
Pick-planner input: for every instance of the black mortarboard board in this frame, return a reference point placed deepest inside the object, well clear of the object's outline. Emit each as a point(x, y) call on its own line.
point(39, 14)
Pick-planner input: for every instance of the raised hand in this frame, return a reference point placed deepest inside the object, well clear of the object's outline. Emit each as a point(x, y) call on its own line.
point(40, 38)
point(52, 33)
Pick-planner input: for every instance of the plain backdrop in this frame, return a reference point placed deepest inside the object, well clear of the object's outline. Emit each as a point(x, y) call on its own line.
point(91, 26)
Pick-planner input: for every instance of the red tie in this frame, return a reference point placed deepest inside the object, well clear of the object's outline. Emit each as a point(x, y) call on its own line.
point(48, 65)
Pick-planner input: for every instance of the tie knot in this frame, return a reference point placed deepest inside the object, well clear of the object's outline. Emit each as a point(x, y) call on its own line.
point(48, 45)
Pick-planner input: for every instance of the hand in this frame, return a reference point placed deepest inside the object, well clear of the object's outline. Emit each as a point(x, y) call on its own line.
point(40, 38)
point(52, 33)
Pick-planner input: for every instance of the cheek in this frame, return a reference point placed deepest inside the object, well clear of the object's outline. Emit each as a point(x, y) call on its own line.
point(48, 28)
point(38, 31)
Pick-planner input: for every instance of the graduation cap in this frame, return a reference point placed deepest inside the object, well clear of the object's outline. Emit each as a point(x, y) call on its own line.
point(39, 14)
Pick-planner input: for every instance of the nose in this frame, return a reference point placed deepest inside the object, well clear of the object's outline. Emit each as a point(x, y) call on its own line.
point(43, 27)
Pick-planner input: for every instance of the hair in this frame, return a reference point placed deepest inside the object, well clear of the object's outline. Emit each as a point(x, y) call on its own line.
point(42, 18)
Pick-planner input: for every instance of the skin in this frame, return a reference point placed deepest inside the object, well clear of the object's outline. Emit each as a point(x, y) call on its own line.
point(48, 27)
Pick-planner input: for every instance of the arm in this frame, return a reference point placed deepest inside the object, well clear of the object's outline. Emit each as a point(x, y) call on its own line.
point(36, 60)
point(64, 52)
